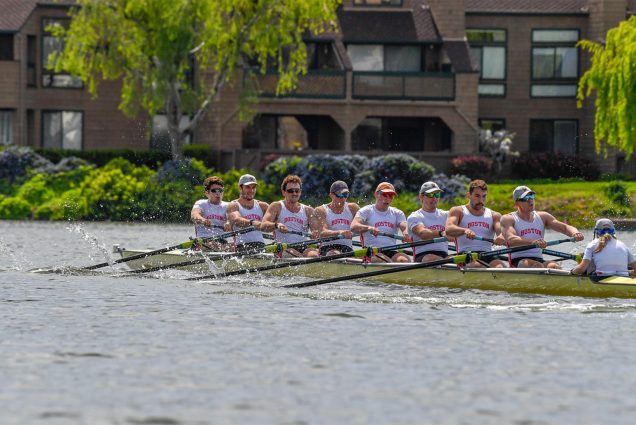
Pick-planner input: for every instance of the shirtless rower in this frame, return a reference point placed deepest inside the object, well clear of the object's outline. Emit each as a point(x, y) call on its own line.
point(527, 226)
point(466, 222)
point(247, 211)
point(335, 219)
point(210, 215)
point(289, 219)
point(374, 222)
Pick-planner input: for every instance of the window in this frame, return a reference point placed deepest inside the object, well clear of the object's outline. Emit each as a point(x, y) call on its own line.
point(6, 47)
point(377, 2)
point(555, 63)
point(6, 127)
point(488, 47)
point(554, 136)
point(321, 56)
point(31, 59)
point(494, 124)
point(160, 139)
point(52, 44)
point(62, 129)
point(378, 57)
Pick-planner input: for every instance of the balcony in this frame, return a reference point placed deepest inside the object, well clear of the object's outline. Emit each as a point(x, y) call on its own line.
point(332, 84)
point(403, 85)
point(317, 84)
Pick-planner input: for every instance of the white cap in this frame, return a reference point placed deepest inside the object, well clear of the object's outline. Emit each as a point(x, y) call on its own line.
point(603, 223)
point(430, 187)
point(247, 179)
point(520, 192)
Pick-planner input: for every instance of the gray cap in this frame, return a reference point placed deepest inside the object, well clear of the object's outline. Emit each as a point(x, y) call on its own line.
point(430, 187)
point(603, 223)
point(520, 192)
point(247, 179)
point(338, 186)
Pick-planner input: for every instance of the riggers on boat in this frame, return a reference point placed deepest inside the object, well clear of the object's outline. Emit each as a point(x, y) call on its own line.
point(515, 280)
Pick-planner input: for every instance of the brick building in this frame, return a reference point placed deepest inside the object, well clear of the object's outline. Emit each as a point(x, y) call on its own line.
point(416, 76)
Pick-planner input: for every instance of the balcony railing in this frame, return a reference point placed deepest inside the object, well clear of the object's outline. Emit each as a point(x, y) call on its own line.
point(323, 84)
point(403, 85)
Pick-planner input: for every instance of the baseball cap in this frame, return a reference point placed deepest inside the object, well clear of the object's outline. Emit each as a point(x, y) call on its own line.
point(247, 179)
point(430, 187)
point(520, 192)
point(385, 187)
point(603, 223)
point(338, 186)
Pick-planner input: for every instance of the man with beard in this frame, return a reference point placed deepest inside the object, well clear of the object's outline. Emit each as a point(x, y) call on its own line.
point(466, 222)
point(376, 222)
point(247, 211)
point(527, 226)
point(335, 219)
point(289, 219)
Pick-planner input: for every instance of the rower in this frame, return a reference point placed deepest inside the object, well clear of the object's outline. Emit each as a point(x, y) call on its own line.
point(210, 215)
point(335, 219)
point(428, 222)
point(527, 226)
point(467, 222)
point(289, 218)
point(374, 222)
point(606, 255)
point(247, 211)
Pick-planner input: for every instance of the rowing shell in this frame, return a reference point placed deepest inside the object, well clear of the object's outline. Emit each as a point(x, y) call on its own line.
point(515, 280)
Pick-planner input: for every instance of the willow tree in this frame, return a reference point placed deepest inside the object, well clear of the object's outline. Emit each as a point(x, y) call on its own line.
point(153, 47)
point(612, 76)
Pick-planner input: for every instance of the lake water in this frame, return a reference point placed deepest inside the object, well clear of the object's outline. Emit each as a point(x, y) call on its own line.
point(106, 349)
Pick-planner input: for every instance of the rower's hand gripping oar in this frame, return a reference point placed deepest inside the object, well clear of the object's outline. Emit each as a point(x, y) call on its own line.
point(363, 252)
point(273, 248)
point(456, 259)
point(184, 245)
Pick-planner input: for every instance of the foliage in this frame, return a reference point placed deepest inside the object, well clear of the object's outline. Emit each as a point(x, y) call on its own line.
point(475, 167)
point(454, 187)
point(498, 147)
point(611, 75)
point(151, 46)
point(150, 158)
point(14, 208)
point(617, 193)
point(16, 161)
point(554, 165)
point(403, 171)
point(190, 171)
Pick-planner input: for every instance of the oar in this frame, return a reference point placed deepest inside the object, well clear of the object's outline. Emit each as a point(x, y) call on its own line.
point(183, 245)
point(363, 252)
point(457, 259)
point(576, 257)
point(273, 248)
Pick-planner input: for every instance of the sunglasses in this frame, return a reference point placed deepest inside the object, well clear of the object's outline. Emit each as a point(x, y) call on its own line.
point(387, 194)
point(214, 190)
point(342, 195)
point(292, 190)
point(433, 195)
point(527, 198)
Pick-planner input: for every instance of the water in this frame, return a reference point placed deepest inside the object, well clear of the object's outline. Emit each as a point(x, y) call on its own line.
point(107, 349)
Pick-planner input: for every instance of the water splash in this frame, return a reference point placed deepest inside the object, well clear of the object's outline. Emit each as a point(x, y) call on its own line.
point(92, 240)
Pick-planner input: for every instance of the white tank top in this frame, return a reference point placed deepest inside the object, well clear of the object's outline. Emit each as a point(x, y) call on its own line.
point(340, 221)
point(254, 213)
point(387, 222)
point(528, 230)
point(612, 260)
point(295, 221)
point(431, 220)
point(217, 214)
point(481, 225)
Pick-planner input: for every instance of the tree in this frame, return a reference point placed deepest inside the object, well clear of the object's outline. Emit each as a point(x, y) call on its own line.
point(613, 76)
point(154, 47)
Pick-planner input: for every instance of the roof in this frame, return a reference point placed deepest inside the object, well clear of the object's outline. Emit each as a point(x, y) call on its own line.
point(458, 52)
point(16, 12)
point(547, 7)
point(380, 26)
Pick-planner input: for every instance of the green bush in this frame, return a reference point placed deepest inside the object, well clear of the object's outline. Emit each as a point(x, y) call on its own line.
point(14, 208)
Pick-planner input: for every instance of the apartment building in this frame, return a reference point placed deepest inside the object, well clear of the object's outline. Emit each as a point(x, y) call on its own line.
point(416, 76)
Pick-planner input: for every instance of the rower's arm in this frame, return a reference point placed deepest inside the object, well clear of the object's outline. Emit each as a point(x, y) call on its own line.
point(581, 268)
point(234, 216)
point(452, 222)
point(496, 224)
point(559, 226)
point(269, 219)
point(196, 216)
point(314, 229)
point(509, 232)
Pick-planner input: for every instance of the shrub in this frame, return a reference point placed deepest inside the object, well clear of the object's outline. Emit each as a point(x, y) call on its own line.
point(554, 165)
point(14, 208)
point(403, 171)
point(617, 193)
point(472, 166)
point(454, 187)
point(149, 158)
point(16, 161)
point(190, 172)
